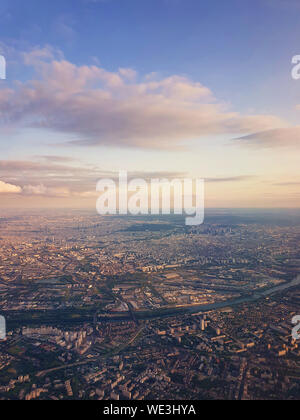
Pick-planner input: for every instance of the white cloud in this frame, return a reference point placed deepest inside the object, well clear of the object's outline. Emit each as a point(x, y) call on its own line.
point(283, 137)
point(9, 188)
point(47, 191)
point(99, 107)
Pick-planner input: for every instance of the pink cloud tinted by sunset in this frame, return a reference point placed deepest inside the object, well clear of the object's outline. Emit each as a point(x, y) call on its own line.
point(99, 107)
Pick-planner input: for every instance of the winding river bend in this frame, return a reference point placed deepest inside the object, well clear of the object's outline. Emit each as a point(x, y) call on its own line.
point(252, 298)
point(15, 318)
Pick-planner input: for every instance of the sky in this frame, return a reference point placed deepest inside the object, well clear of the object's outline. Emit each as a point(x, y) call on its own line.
point(160, 88)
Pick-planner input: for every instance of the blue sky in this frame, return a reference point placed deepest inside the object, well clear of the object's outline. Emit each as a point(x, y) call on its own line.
point(223, 44)
point(239, 50)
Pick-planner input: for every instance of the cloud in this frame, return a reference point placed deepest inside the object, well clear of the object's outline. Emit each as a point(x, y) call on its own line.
point(128, 74)
point(57, 159)
point(38, 56)
point(9, 188)
point(47, 191)
point(47, 178)
point(99, 107)
point(229, 179)
point(282, 137)
point(24, 168)
point(287, 184)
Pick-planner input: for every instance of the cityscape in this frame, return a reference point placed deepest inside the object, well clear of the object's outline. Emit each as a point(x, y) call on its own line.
point(125, 308)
